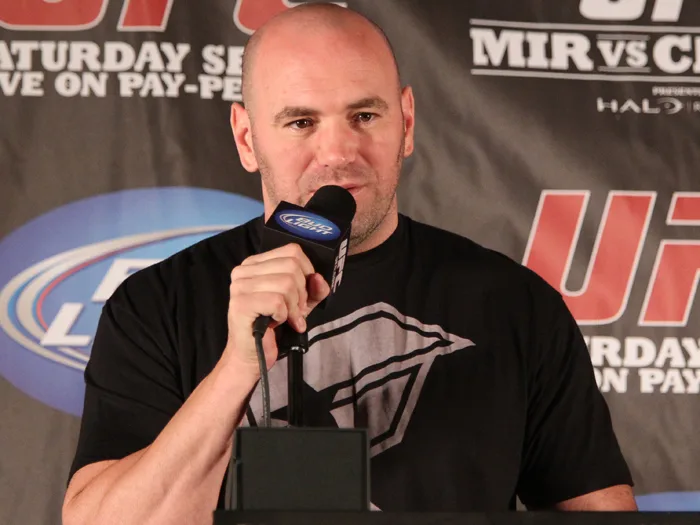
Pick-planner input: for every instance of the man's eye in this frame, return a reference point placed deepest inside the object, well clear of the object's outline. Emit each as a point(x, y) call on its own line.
point(301, 123)
point(364, 117)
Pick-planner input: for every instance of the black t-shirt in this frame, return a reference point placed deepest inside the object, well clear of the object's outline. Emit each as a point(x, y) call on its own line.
point(468, 370)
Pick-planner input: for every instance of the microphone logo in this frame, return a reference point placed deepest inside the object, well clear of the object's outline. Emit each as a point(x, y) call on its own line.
point(308, 225)
point(339, 265)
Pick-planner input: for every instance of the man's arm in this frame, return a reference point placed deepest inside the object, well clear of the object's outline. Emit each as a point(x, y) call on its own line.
point(177, 478)
point(572, 459)
point(617, 498)
point(174, 454)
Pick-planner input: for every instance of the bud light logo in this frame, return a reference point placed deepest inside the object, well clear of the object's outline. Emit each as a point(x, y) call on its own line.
point(308, 225)
point(669, 502)
point(57, 271)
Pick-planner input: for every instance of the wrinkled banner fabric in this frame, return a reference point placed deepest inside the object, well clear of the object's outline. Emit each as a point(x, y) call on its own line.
point(563, 134)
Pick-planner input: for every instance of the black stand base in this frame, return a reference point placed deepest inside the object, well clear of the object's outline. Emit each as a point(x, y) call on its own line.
point(301, 469)
point(469, 518)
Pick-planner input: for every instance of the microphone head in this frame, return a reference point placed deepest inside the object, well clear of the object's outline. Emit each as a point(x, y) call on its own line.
point(333, 201)
point(322, 228)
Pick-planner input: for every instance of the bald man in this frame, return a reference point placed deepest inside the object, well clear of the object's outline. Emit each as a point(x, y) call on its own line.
point(468, 370)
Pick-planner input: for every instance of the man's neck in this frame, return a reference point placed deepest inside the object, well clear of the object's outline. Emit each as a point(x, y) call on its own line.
point(385, 229)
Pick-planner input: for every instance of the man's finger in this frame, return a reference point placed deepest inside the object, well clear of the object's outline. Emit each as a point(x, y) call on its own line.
point(289, 250)
point(272, 269)
point(318, 290)
point(283, 283)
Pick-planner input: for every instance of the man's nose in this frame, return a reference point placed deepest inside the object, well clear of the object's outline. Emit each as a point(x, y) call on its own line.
point(337, 145)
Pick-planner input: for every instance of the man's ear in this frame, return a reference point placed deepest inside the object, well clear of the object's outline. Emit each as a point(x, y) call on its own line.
point(243, 135)
point(409, 118)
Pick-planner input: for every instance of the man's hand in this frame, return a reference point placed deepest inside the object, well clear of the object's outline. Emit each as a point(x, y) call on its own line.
point(280, 283)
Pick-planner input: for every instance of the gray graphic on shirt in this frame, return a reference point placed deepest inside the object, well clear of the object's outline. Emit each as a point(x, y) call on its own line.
point(369, 369)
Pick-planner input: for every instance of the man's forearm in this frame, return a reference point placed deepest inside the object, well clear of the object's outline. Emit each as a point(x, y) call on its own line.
point(616, 498)
point(178, 477)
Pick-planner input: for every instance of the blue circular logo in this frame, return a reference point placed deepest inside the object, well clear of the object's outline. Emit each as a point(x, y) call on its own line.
point(57, 271)
point(669, 502)
point(308, 225)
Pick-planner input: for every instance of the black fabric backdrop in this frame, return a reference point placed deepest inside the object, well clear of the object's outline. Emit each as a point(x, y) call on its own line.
point(556, 132)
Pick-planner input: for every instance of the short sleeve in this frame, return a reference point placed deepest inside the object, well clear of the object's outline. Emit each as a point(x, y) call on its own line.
point(132, 386)
point(570, 448)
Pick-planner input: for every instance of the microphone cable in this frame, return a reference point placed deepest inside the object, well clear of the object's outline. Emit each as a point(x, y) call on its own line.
point(259, 328)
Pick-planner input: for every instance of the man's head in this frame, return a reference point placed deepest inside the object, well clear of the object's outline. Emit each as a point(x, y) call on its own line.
point(324, 105)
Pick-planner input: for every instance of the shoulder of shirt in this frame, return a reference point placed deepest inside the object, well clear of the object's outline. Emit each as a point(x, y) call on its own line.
point(446, 249)
point(217, 254)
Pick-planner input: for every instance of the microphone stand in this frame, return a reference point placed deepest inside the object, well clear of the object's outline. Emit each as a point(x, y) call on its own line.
point(290, 469)
point(294, 345)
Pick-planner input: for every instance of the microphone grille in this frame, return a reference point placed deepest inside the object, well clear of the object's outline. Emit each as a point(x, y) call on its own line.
point(334, 201)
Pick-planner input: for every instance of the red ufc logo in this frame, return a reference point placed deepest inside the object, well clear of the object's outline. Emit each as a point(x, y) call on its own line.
point(136, 15)
point(78, 15)
point(613, 266)
point(674, 279)
point(250, 15)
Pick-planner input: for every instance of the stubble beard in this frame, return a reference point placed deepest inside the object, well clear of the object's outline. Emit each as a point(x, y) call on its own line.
point(365, 225)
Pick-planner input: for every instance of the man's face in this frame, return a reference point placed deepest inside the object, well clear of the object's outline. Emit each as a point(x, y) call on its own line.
point(330, 113)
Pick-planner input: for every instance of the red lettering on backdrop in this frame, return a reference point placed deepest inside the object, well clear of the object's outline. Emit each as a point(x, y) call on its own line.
point(250, 15)
point(145, 15)
point(603, 297)
point(684, 209)
point(136, 15)
point(41, 15)
point(674, 279)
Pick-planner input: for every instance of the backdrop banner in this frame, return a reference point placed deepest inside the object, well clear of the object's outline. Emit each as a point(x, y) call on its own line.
point(562, 133)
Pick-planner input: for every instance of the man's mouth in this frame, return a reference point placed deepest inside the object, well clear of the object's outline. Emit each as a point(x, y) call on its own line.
point(351, 187)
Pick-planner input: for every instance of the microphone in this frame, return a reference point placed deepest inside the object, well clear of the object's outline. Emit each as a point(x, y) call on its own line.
point(287, 468)
point(322, 229)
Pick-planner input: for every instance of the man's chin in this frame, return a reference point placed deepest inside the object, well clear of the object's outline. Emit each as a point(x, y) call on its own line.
point(363, 226)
